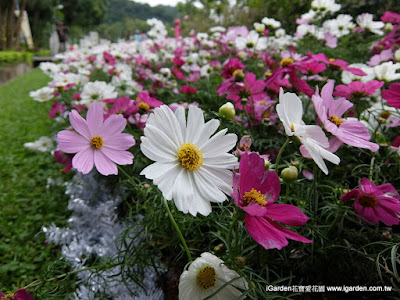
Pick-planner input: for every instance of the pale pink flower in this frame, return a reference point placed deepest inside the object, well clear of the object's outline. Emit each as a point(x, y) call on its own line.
point(330, 112)
point(97, 142)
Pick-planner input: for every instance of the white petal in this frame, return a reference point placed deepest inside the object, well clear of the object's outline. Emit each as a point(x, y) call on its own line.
point(195, 124)
point(209, 128)
point(154, 153)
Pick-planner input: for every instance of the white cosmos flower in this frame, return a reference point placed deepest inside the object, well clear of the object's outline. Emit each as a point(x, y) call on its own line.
point(42, 95)
point(43, 144)
point(348, 77)
point(97, 90)
point(367, 22)
point(290, 112)
point(252, 41)
point(387, 71)
point(205, 276)
point(190, 167)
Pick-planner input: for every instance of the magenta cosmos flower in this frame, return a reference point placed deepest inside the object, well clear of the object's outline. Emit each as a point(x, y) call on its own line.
point(21, 294)
point(376, 203)
point(330, 112)
point(392, 95)
point(97, 142)
point(357, 89)
point(255, 190)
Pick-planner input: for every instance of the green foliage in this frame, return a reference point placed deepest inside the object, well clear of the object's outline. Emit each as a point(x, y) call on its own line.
point(353, 48)
point(120, 9)
point(10, 57)
point(26, 202)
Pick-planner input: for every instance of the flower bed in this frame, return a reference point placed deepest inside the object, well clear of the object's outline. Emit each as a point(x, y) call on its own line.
point(291, 183)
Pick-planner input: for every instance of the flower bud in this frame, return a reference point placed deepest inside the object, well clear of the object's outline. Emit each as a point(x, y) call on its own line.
point(289, 174)
point(259, 27)
point(397, 55)
point(388, 27)
point(240, 261)
point(227, 111)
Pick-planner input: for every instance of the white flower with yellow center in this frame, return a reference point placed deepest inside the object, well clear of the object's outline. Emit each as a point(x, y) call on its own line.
point(190, 167)
point(205, 276)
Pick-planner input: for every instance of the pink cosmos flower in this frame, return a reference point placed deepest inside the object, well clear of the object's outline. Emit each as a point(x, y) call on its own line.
point(376, 59)
point(56, 110)
point(376, 203)
point(255, 190)
point(396, 144)
point(336, 63)
point(64, 159)
point(392, 95)
point(124, 106)
point(249, 88)
point(188, 89)
point(145, 102)
point(357, 89)
point(97, 142)
point(21, 294)
point(330, 112)
point(231, 66)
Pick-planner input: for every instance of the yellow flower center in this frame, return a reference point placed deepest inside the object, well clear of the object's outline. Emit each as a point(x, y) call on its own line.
point(8, 297)
point(335, 120)
point(286, 62)
point(268, 74)
point(144, 106)
point(254, 196)
point(206, 277)
point(266, 114)
point(237, 72)
point(385, 115)
point(292, 127)
point(367, 200)
point(190, 156)
point(96, 142)
point(332, 59)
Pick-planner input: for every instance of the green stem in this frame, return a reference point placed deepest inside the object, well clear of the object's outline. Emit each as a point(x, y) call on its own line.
point(280, 154)
point(130, 178)
point(39, 281)
point(177, 229)
point(371, 167)
point(287, 192)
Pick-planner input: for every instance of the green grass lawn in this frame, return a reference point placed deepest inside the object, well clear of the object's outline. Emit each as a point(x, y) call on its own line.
point(26, 204)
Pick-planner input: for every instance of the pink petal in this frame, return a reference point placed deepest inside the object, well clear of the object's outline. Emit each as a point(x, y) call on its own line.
point(264, 234)
point(71, 142)
point(117, 156)
point(366, 212)
point(286, 214)
point(79, 124)
point(22, 294)
point(122, 141)
point(113, 125)
point(389, 218)
point(256, 210)
point(103, 164)
point(83, 160)
point(367, 186)
point(95, 117)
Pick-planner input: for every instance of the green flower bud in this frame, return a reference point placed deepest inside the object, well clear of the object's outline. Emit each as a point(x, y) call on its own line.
point(289, 174)
point(227, 111)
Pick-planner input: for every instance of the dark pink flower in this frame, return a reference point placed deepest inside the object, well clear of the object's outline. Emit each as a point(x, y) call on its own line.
point(376, 203)
point(124, 106)
point(337, 64)
point(21, 294)
point(330, 112)
point(391, 17)
point(97, 142)
point(357, 89)
point(64, 159)
point(179, 62)
point(56, 110)
point(231, 66)
point(255, 191)
point(248, 88)
point(392, 95)
point(188, 90)
point(145, 102)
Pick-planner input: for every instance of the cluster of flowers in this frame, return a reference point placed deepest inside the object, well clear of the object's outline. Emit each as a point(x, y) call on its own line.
point(192, 164)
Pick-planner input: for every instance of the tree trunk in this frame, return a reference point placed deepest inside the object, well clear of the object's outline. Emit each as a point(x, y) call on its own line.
point(19, 22)
point(10, 24)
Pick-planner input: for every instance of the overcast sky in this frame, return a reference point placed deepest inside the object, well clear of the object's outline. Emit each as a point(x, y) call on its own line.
point(159, 2)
